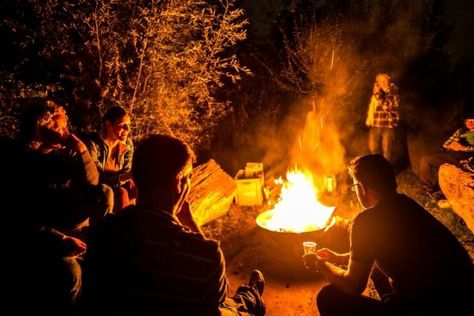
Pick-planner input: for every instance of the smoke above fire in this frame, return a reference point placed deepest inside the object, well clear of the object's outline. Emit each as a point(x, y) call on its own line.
point(308, 103)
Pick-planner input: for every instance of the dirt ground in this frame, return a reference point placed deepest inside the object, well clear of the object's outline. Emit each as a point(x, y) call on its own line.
point(290, 289)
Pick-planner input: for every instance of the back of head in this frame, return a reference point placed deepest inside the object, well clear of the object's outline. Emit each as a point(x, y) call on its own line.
point(375, 172)
point(157, 160)
point(113, 114)
point(36, 116)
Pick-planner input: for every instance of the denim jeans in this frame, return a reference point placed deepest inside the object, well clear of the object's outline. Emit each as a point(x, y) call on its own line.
point(381, 141)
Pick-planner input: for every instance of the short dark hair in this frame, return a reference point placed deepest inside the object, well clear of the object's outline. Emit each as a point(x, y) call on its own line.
point(468, 115)
point(113, 114)
point(36, 115)
point(375, 172)
point(158, 159)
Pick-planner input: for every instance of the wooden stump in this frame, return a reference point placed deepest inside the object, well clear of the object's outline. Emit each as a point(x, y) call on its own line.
point(458, 187)
point(212, 192)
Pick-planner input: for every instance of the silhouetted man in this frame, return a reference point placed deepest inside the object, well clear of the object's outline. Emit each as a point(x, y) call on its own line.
point(418, 266)
point(145, 261)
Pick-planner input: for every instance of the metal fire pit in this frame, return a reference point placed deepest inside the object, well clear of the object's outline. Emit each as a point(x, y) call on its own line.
point(283, 250)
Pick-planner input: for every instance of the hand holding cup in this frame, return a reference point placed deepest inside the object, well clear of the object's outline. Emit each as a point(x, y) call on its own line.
point(309, 258)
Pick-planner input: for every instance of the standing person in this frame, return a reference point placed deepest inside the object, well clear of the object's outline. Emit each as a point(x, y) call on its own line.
point(112, 152)
point(418, 266)
point(146, 261)
point(383, 116)
point(459, 147)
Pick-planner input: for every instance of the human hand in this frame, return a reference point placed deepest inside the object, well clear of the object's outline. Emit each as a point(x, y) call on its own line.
point(186, 218)
point(376, 88)
point(456, 146)
point(310, 261)
point(73, 246)
point(326, 255)
point(74, 143)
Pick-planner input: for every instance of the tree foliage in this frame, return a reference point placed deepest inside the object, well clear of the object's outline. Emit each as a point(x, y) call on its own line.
point(162, 60)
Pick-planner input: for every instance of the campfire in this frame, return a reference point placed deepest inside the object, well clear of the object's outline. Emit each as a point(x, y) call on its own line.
point(298, 209)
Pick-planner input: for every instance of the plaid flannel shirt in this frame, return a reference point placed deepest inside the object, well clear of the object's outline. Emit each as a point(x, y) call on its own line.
point(386, 112)
point(463, 136)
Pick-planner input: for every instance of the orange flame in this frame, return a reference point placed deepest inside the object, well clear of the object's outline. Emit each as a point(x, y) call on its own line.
point(298, 209)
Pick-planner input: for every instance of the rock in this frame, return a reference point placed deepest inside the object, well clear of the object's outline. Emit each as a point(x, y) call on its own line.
point(458, 187)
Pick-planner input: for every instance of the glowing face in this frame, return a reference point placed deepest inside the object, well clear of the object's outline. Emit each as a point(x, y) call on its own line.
point(383, 80)
point(120, 129)
point(55, 131)
point(469, 123)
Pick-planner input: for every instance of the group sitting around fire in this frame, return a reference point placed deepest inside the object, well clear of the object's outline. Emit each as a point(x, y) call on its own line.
point(84, 237)
point(64, 224)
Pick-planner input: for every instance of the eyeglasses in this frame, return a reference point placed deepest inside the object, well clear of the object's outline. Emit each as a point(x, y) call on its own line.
point(354, 186)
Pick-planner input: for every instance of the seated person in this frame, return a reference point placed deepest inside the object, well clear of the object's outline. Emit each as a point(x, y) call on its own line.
point(152, 259)
point(459, 147)
point(418, 267)
point(50, 188)
point(112, 151)
point(57, 172)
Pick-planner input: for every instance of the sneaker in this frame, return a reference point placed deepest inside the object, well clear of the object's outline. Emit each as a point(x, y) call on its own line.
point(257, 281)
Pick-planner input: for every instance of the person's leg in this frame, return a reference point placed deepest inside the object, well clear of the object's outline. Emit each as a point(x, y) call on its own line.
point(245, 301)
point(248, 299)
point(374, 139)
point(57, 285)
point(70, 209)
point(333, 302)
point(388, 137)
point(121, 199)
point(429, 166)
point(381, 282)
point(98, 202)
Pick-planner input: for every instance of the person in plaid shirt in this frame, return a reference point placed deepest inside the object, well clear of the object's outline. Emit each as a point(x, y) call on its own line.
point(459, 147)
point(383, 116)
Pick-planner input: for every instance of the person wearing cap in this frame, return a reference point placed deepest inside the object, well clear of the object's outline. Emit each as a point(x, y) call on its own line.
point(459, 147)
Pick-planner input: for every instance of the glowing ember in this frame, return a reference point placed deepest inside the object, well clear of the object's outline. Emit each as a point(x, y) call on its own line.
point(298, 209)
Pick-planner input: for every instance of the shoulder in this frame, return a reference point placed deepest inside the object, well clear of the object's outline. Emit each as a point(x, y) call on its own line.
point(92, 139)
point(129, 143)
point(193, 240)
point(115, 222)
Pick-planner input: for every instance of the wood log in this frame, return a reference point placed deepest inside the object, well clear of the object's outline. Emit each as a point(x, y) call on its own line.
point(458, 187)
point(212, 192)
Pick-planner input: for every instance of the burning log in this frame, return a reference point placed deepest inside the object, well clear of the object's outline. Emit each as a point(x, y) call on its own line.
point(212, 192)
